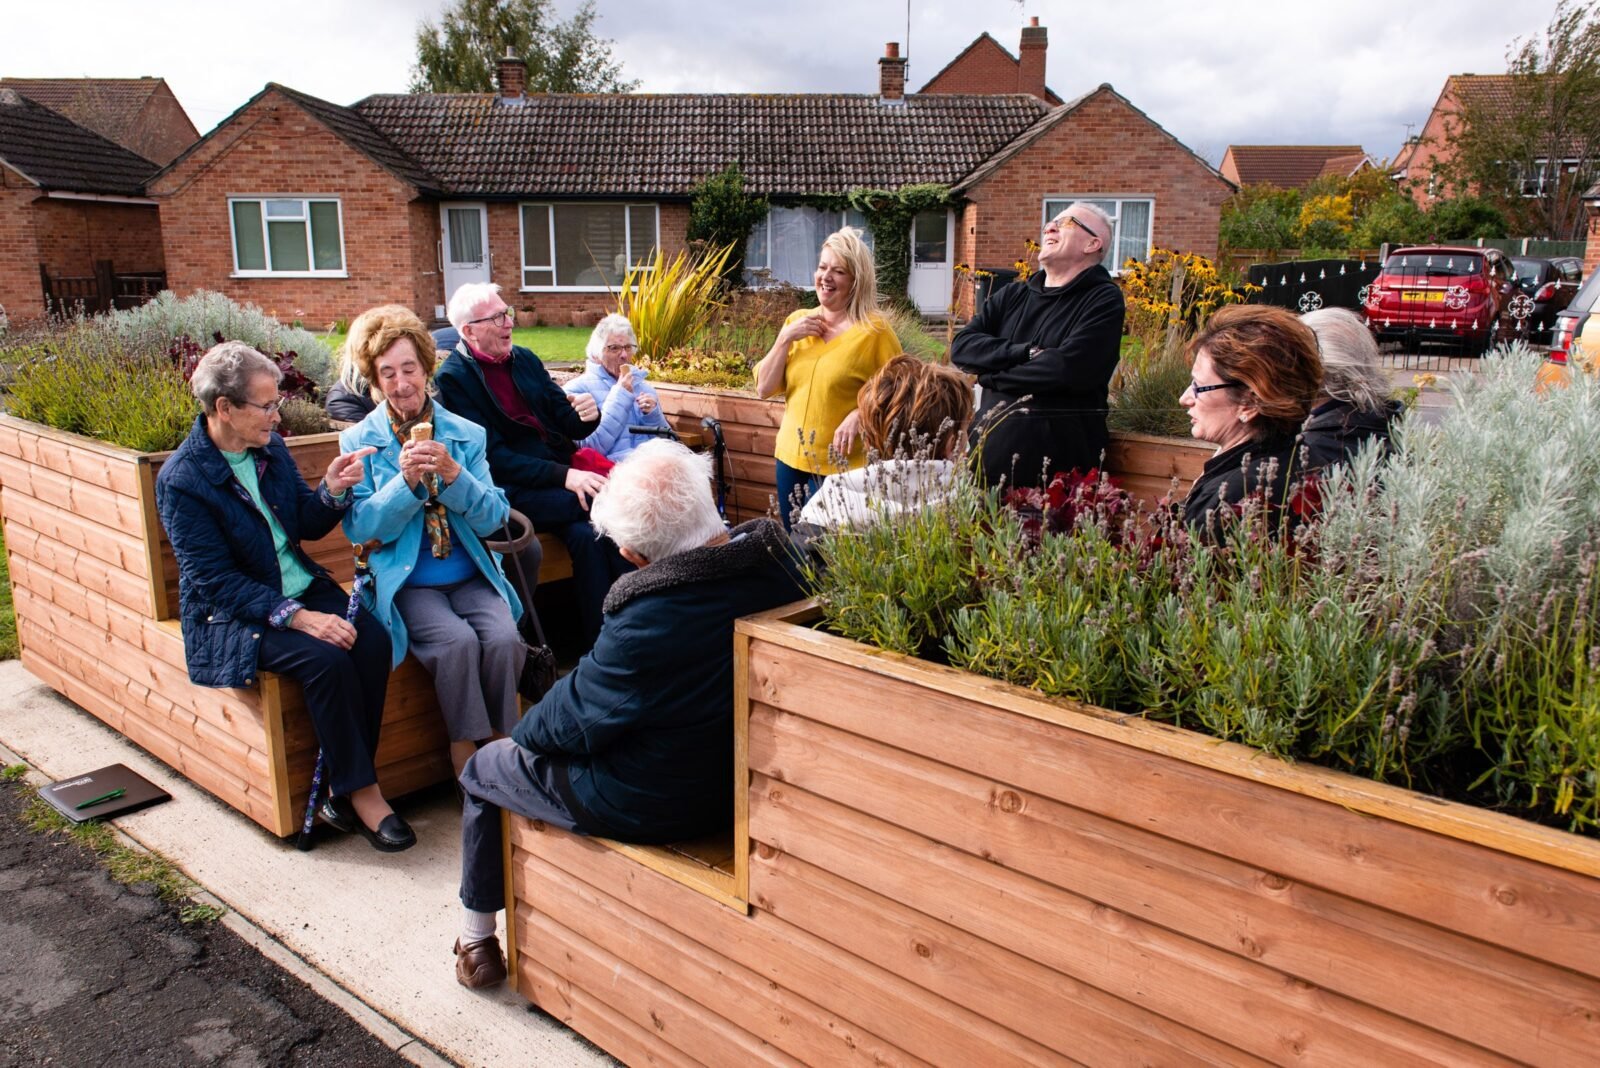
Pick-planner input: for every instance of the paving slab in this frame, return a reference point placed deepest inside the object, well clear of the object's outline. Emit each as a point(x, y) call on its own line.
point(379, 926)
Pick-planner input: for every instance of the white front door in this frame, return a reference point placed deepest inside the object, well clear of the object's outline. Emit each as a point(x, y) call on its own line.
point(932, 235)
point(464, 230)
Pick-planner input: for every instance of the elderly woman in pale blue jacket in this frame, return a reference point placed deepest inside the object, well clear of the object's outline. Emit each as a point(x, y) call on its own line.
point(618, 389)
point(428, 499)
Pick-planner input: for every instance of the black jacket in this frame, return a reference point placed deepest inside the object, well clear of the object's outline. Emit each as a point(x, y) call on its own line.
point(1057, 345)
point(346, 405)
point(520, 457)
point(641, 731)
point(1267, 466)
point(1334, 432)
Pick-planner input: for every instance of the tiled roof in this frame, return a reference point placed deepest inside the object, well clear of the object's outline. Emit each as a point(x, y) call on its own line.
point(1343, 166)
point(107, 106)
point(59, 154)
point(353, 129)
point(662, 145)
point(1286, 166)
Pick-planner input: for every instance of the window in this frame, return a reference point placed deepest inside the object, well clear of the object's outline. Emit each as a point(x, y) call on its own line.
point(287, 235)
point(1130, 226)
point(785, 246)
point(585, 246)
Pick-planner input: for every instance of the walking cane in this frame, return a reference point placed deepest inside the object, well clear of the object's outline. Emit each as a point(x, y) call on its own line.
point(362, 580)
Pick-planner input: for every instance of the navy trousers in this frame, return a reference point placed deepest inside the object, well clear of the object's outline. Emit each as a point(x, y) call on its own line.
point(344, 688)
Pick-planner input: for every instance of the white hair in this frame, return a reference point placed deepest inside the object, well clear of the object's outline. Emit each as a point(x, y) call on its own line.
point(657, 502)
point(1352, 367)
point(1103, 221)
point(611, 324)
point(468, 298)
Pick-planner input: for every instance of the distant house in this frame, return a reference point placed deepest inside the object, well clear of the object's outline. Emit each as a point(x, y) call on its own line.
point(984, 66)
point(73, 215)
point(140, 114)
point(1291, 166)
point(316, 210)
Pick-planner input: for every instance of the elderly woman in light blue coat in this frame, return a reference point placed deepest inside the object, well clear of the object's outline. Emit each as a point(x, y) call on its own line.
point(428, 500)
point(618, 389)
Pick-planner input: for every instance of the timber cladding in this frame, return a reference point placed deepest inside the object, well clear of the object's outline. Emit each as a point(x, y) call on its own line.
point(946, 869)
point(95, 589)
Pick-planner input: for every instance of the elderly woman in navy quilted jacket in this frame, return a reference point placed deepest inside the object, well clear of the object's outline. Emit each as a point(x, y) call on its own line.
point(251, 599)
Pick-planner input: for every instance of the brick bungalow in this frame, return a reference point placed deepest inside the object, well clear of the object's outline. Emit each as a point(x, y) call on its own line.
point(73, 213)
point(1291, 166)
point(140, 114)
point(316, 211)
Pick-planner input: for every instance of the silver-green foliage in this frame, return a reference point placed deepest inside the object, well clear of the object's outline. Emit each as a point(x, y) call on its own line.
point(204, 314)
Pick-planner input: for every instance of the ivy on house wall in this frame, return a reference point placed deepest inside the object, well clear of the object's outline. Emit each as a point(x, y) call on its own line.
point(889, 213)
point(722, 213)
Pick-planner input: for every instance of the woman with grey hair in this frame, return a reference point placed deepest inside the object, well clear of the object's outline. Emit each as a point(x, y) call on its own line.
point(1353, 406)
point(251, 599)
point(618, 389)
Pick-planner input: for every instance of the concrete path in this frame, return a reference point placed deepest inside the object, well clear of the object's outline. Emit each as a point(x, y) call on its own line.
point(378, 926)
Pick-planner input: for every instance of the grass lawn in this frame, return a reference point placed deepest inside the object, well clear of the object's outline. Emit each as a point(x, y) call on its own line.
point(8, 613)
point(561, 344)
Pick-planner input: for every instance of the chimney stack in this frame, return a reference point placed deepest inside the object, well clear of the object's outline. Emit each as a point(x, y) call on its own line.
point(892, 73)
point(511, 75)
point(1030, 55)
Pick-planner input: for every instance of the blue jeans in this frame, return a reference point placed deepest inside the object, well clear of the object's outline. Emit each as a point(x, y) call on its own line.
point(795, 488)
point(501, 775)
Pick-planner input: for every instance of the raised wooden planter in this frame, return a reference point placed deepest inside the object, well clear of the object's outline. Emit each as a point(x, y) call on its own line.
point(946, 869)
point(1144, 464)
point(95, 586)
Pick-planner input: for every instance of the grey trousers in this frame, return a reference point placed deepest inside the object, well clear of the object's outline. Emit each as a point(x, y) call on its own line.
point(465, 637)
point(502, 775)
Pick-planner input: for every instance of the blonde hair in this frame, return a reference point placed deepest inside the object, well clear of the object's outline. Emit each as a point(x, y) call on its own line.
point(848, 245)
point(378, 328)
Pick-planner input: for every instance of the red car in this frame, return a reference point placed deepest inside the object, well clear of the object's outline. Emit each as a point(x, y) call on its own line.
point(1436, 294)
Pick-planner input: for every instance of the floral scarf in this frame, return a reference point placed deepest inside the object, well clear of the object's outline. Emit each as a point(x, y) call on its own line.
point(435, 523)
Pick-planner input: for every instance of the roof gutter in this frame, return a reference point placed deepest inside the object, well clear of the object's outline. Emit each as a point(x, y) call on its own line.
point(105, 198)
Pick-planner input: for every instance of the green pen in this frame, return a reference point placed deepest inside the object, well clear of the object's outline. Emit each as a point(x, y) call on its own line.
point(112, 796)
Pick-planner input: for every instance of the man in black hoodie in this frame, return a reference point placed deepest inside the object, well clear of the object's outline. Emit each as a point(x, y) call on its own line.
point(1055, 340)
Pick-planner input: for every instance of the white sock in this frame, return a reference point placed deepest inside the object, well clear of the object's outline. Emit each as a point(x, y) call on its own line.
point(477, 926)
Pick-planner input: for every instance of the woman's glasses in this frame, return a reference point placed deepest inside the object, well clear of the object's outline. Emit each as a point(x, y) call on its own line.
point(1197, 389)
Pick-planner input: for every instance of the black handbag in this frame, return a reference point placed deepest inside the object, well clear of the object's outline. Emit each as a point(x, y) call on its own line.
point(539, 666)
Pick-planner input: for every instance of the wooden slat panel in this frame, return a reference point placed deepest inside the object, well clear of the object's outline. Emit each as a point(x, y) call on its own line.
point(789, 1022)
point(1271, 1015)
point(84, 459)
point(120, 511)
point(725, 406)
point(1459, 986)
point(594, 1019)
point(78, 567)
point(1051, 1008)
point(883, 1004)
point(1537, 910)
point(118, 548)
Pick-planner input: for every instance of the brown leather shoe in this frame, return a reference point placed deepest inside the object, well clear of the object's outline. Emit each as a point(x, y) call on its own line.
point(480, 964)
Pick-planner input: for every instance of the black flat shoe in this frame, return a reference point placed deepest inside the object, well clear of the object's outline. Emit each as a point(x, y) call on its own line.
point(339, 813)
point(393, 834)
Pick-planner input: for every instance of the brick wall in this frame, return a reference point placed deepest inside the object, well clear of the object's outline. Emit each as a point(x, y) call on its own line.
point(20, 293)
point(984, 68)
point(275, 147)
point(1103, 147)
point(73, 234)
point(163, 129)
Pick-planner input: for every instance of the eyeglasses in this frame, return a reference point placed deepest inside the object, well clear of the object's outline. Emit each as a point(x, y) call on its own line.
point(1197, 389)
point(503, 317)
point(1070, 220)
point(628, 347)
point(271, 407)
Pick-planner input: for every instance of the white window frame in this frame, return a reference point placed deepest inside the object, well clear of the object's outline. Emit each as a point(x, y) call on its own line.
point(550, 207)
point(305, 200)
point(766, 224)
point(1060, 199)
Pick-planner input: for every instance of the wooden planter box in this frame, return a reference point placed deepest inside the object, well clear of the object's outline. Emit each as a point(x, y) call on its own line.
point(1144, 464)
point(95, 586)
point(946, 869)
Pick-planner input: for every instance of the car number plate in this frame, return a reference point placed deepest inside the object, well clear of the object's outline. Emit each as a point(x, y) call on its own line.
point(1421, 296)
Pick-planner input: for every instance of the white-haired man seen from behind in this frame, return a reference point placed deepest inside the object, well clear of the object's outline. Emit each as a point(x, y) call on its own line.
point(636, 743)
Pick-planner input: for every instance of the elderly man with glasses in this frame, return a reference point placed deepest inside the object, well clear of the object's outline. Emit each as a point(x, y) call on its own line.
point(1054, 340)
point(532, 428)
point(618, 388)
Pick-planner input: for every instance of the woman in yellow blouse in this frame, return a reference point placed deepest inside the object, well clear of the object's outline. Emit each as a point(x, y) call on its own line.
point(820, 361)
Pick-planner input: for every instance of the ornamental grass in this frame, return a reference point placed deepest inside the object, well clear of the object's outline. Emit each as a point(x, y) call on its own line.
point(1435, 623)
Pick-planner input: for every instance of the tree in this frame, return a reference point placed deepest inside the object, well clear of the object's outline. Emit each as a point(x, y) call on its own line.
point(1394, 219)
point(1463, 218)
point(1536, 151)
point(1261, 216)
point(722, 213)
point(460, 55)
point(1325, 222)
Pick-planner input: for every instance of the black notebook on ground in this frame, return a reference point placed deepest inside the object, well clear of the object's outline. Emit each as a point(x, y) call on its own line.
point(102, 793)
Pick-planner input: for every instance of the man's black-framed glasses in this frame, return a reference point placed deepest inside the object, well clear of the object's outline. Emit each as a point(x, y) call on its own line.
point(1072, 220)
point(503, 317)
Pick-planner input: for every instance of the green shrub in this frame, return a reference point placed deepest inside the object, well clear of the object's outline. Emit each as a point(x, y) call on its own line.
point(202, 315)
point(913, 335)
point(722, 213)
point(694, 367)
point(1146, 387)
point(670, 301)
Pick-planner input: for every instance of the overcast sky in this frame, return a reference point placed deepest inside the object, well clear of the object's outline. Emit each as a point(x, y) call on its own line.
point(1213, 73)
